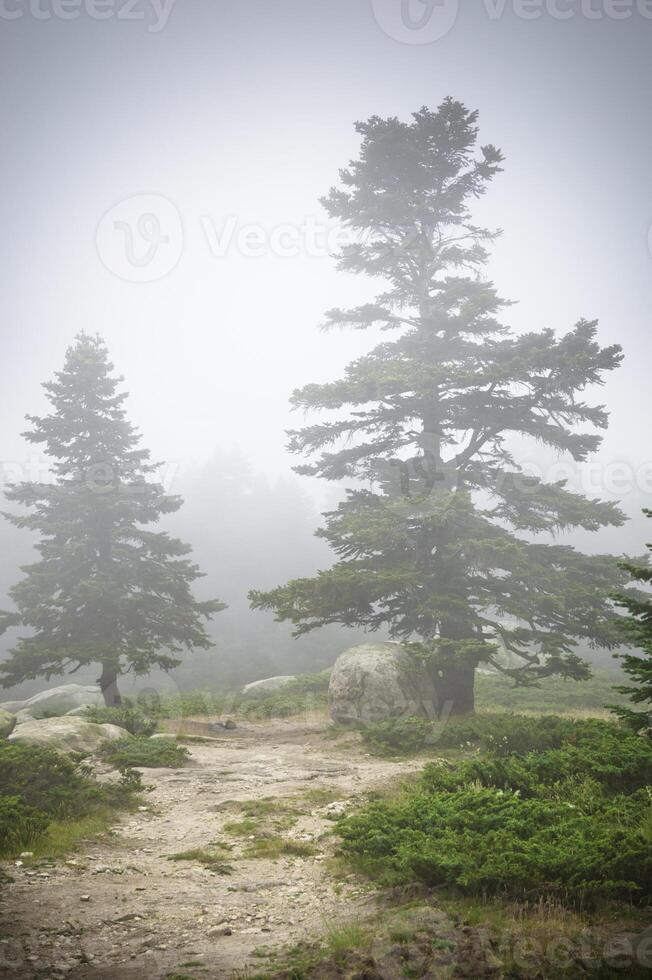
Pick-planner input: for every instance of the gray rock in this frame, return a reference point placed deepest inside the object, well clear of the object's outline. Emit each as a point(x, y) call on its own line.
point(13, 707)
point(377, 681)
point(80, 712)
point(65, 734)
point(7, 722)
point(58, 700)
point(267, 684)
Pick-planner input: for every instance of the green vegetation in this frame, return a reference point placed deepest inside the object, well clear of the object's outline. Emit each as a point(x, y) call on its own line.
point(496, 692)
point(143, 752)
point(400, 736)
point(442, 539)
point(306, 693)
point(263, 825)
point(211, 861)
point(637, 630)
point(571, 817)
point(129, 716)
point(49, 799)
point(106, 589)
point(272, 846)
point(499, 732)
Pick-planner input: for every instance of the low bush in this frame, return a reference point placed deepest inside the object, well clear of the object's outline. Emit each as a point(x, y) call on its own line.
point(50, 781)
point(550, 694)
point(154, 753)
point(307, 692)
point(130, 717)
point(19, 823)
point(399, 736)
point(41, 787)
point(573, 820)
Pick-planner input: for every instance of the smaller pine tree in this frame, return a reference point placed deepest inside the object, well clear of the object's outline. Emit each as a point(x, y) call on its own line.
point(637, 627)
point(106, 588)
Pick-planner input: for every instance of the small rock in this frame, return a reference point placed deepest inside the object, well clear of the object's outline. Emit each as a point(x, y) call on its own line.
point(26, 854)
point(220, 931)
point(84, 898)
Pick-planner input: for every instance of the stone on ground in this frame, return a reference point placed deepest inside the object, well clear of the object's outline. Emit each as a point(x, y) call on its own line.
point(56, 701)
point(267, 684)
point(7, 722)
point(66, 734)
point(374, 682)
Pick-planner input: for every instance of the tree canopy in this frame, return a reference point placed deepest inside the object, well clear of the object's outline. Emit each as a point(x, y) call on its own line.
point(107, 588)
point(437, 539)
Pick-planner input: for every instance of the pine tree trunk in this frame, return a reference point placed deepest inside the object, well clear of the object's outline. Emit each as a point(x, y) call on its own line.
point(109, 686)
point(454, 684)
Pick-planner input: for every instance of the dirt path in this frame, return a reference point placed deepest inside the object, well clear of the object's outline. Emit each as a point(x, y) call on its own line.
point(126, 911)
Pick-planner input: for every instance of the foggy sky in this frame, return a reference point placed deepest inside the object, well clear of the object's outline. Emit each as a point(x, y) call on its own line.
point(241, 114)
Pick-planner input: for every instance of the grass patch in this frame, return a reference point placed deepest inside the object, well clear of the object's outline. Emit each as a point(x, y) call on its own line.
point(212, 862)
point(273, 847)
point(241, 828)
point(262, 815)
point(321, 797)
point(62, 837)
point(495, 692)
point(305, 694)
point(152, 753)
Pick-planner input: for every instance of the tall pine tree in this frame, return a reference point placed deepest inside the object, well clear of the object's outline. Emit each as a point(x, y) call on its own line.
point(106, 589)
point(637, 628)
point(432, 539)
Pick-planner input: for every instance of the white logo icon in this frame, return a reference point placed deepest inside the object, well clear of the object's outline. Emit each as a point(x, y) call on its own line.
point(141, 238)
point(416, 21)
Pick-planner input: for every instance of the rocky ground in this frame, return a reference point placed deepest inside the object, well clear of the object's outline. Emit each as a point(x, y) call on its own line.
point(122, 909)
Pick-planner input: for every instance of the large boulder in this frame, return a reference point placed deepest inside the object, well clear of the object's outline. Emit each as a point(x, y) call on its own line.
point(376, 681)
point(55, 702)
point(13, 707)
point(7, 723)
point(267, 685)
point(66, 734)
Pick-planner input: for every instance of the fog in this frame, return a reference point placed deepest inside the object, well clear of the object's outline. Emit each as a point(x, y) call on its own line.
point(227, 122)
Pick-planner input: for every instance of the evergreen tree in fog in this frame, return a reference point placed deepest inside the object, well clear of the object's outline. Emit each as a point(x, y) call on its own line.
point(431, 539)
point(107, 589)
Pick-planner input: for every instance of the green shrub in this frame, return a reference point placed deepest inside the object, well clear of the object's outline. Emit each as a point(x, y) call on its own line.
point(152, 753)
point(47, 780)
point(489, 841)
point(573, 820)
point(559, 694)
point(40, 786)
point(19, 823)
point(608, 754)
point(505, 733)
point(399, 736)
point(130, 717)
